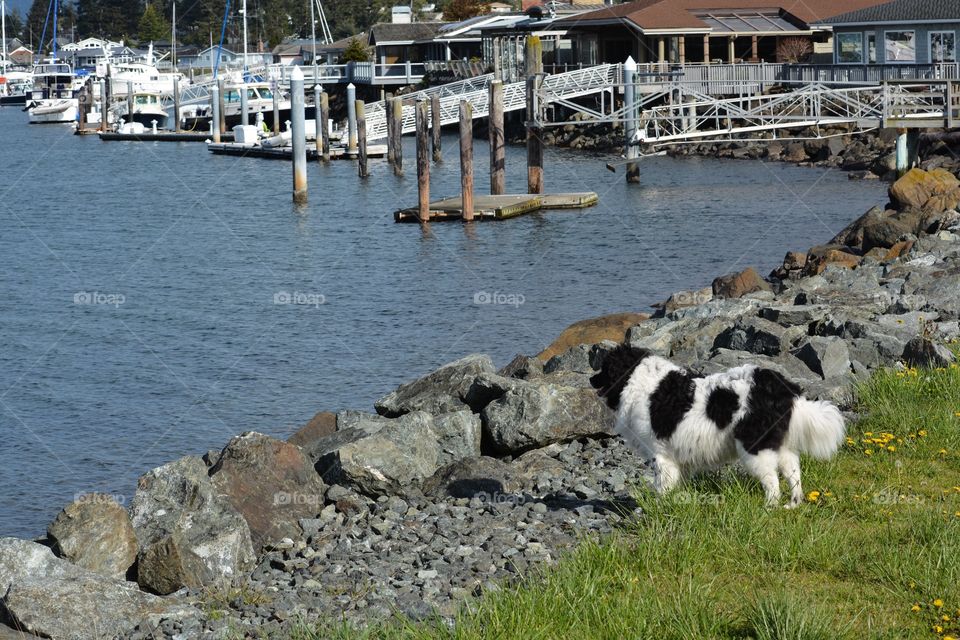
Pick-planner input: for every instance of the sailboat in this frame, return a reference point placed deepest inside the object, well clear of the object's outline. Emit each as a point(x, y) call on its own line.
point(14, 84)
point(55, 87)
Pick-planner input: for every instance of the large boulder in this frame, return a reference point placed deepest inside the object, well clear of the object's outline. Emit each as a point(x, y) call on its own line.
point(737, 285)
point(438, 392)
point(188, 534)
point(936, 190)
point(757, 335)
point(94, 532)
point(271, 483)
point(885, 233)
point(922, 352)
point(48, 596)
point(852, 234)
point(321, 425)
point(387, 456)
point(592, 331)
point(534, 415)
point(819, 258)
point(828, 357)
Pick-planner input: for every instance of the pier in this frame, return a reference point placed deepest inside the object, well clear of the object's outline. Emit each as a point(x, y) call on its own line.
point(499, 207)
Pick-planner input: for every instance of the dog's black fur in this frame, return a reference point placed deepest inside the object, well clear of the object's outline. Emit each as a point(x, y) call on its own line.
point(618, 366)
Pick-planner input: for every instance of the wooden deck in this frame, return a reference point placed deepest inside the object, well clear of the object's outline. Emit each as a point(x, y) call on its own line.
point(499, 207)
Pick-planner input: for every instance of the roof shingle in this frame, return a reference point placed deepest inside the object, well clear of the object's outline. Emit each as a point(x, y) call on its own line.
point(901, 11)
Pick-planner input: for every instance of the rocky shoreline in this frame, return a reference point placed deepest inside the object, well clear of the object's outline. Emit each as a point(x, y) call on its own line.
point(470, 477)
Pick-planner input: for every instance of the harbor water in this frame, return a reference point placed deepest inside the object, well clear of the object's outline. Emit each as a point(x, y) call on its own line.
point(158, 300)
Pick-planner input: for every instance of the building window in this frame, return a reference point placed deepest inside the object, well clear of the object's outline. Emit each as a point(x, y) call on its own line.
point(850, 48)
point(900, 46)
point(943, 46)
point(872, 48)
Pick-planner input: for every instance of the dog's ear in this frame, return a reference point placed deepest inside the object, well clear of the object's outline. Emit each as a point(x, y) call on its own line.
point(599, 380)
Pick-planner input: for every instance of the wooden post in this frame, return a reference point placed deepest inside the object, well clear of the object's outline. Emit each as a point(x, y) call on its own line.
point(325, 117)
point(103, 105)
point(222, 122)
point(534, 65)
point(176, 104)
point(129, 102)
point(466, 160)
point(423, 162)
point(706, 49)
point(498, 160)
point(276, 109)
point(397, 123)
point(317, 120)
point(435, 118)
point(754, 49)
point(362, 169)
point(388, 114)
point(682, 45)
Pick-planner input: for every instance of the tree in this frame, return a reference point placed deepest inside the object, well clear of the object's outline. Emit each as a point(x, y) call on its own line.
point(794, 50)
point(356, 51)
point(152, 25)
point(457, 10)
point(15, 26)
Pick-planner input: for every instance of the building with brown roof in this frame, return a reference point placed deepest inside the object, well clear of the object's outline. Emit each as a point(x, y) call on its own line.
point(680, 31)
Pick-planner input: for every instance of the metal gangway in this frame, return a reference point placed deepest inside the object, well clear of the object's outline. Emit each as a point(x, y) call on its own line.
point(556, 89)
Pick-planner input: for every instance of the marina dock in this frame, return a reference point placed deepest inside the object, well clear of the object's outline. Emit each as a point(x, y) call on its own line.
point(286, 153)
point(500, 207)
point(163, 136)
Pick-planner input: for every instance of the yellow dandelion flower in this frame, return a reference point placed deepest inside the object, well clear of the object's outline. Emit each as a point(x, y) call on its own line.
point(915, 608)
point(942, 452)
point(869, 452)
point(938, 603)
point(956, 414)
point(813, 496)
point(869, 434)
point(957, 514)
point(945, 618)
point(949, 638)
point(937, 628)
point(922, 433)
point(891, 448)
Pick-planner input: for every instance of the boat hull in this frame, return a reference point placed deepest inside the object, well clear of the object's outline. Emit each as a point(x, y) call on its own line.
point(202, 123)
point(10, 101)
point(146, 119)
point(54, 111)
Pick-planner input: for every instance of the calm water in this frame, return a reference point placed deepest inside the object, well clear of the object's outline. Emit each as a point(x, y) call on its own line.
point(142, 313)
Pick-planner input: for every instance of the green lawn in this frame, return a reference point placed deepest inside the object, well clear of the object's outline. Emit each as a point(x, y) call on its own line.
point(875, 552)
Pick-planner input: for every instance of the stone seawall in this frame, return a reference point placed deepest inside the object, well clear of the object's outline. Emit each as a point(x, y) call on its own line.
point(471, 476)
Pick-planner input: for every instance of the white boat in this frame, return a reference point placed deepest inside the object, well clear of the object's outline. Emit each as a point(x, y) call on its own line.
point(143, 77)
point(259, 100)
point(54, 94)
point(14, 87)
point(147, 109)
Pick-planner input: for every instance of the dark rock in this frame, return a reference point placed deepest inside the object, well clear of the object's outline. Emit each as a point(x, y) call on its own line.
point(756, 335)
point(852, 234)
point(438, 392)
point(794, 315)
point(188, 535)
point(271, 483)
point(94, 532)
point(922, 352)
point(321, 425)
point(482, 476)
point(522, 367)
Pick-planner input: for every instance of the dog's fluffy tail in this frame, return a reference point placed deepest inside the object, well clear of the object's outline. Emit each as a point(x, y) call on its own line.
point(816, 428)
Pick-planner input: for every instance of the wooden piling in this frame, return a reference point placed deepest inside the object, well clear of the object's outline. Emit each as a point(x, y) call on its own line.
point(466, 159)
point(435, 126)
point(630, 119)
point(103, 106)
point(423, 162)
point(388, 111)
point(324, 118)
point(317, 137)
point(276, 108)
point(397, 119)
point(534, 68)
point(129, 102)
point(176, 104)
point(498, 158)
point(362, 169)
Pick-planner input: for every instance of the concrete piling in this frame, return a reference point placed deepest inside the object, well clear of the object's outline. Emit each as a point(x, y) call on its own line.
point(630, 119)
point(351, 118)
point(244, 105)
point(298, 136)
point(215, 113)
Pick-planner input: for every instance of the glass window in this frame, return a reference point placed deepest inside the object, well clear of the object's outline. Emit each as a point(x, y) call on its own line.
point(943, 46)
point(900, 46)
point(251, 93)
point(872, 48)
point(232, 96)
point(850, 47)
point(265, 93)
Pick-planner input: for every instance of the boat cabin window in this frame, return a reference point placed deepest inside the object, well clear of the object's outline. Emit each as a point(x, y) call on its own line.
point(232, 95)
point(146, 99)
point(251, 93)
point(265, 93)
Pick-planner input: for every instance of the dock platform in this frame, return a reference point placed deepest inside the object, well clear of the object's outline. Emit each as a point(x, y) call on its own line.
point(501, 207)
point(163, 136)
point(285, 153)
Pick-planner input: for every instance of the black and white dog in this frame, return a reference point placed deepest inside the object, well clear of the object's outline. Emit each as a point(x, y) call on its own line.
point(688, 423)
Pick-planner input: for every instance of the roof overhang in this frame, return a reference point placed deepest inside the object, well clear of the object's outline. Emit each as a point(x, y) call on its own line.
point(898, 23)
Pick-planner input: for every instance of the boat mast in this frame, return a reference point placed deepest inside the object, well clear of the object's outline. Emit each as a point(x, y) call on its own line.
point(3, 30)
point(245, 40)
point(313, 39)
point(173, 37)
point(56, 10)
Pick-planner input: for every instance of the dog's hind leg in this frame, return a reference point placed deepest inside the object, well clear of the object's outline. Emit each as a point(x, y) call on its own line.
point(667, 474)
point(763, 467)
point(790, 468)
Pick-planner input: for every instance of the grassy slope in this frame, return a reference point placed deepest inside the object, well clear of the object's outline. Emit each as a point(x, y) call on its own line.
point(874, 554)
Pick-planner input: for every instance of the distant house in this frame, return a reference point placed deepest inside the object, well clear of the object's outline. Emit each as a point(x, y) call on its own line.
point(21, 55)
point(91, 43)
point(398, 43)
point(204, 58)
point(499, 7)
point(330, 53)
point(898, 32)
point(288, 53)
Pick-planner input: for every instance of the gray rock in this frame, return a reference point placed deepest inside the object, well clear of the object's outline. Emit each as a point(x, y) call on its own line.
point(539, 414)
point(794, 315)
point(94, 532)
point(785, 363)
point(49, 596)
point(441, 391)
point(756, 335)
point(922, 352)
point(522, 367)
point(393, 456)
point(575, 359)
point(828, 357)
point(271, 483)
point(188, 534)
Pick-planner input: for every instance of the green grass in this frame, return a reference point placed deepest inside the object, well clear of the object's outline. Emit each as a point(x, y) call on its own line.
point(879, 539)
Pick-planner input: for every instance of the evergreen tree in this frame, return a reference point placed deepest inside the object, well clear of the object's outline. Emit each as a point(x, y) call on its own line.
point(152, 25)
point(457, 10)
point(15, 26)
point(356, 51)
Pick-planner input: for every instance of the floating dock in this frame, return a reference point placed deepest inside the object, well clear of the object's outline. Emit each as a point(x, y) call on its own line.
point(286, 153)
point(164, 136)
point(501, 207)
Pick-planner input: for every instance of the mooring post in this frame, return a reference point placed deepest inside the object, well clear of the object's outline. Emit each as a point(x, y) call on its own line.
point(435, 126)
point(498, 154)
point(215, 113)
point(103, 105)
point(298, 136)
point(397, 119)
point(244, 105)
point(176, 104)
point(362, 139)
point(466, 160)
point(276, 109)
point(908, 143)
point(222, 120)
point(534, 68)
point(129, 102)
point(351, 119)
point(325, 118)
point(630, 119)
point(388, 114)
point(423, 162)
point(317, 120)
